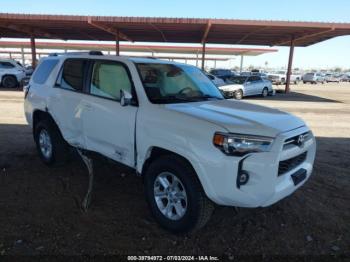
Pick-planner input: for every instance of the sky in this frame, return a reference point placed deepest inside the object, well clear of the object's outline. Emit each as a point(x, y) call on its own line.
point(327, 54)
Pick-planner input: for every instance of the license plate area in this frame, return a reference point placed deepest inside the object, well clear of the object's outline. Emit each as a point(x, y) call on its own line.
point(299, 176)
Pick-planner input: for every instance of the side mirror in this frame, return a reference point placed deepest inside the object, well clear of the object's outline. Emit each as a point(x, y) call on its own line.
point(248, 83)
point(125, 98)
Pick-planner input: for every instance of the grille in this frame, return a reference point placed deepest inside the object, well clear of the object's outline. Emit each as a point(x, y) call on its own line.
point(294, 139)
point(289, 164)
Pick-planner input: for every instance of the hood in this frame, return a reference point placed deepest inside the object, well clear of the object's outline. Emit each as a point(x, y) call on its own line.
point(240, 117)
point(230, 87)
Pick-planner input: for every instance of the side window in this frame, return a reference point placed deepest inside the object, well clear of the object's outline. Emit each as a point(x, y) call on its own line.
point(6, 65)
point(44, 70)
point(250, 79)
point(108, 78)
point(73, 74)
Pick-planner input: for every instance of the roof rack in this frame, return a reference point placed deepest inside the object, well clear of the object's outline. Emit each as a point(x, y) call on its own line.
point(77, 53)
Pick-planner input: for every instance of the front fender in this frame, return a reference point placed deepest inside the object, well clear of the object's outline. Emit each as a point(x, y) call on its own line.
point(181, 134)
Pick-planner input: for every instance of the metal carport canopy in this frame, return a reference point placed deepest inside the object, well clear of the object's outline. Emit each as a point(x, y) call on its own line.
point(172, 30)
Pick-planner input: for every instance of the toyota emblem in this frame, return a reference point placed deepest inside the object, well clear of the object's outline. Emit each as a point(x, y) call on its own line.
point(301, 140)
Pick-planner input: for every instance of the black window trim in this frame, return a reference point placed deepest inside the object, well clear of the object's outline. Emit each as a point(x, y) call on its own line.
point(89, 76)
point(59, 76)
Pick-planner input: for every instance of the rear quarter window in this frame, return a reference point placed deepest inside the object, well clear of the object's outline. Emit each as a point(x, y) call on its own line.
point(43, 71)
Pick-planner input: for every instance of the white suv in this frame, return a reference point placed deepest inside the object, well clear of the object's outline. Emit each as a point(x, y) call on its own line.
point(171, 124)
point(11, 73)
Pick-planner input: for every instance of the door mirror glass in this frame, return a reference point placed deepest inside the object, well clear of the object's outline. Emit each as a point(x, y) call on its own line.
point(125, 98)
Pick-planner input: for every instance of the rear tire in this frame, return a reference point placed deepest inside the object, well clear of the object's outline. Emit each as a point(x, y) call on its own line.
point(52, 148)
point(175, 195)
point(238, 94)
point(9, 82)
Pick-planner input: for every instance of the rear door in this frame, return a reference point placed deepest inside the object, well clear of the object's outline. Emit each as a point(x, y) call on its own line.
point(65, 103)
point(109, 128)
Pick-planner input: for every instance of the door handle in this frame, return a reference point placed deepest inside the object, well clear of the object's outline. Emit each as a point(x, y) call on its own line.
point(88, 106)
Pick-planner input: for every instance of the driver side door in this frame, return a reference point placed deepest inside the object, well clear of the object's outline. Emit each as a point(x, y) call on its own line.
point(249, 86)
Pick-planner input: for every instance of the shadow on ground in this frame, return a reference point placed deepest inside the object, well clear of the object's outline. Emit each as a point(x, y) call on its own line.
point(295, 96)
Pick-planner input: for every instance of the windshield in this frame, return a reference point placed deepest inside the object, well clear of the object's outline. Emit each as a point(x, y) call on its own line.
point(239, 80)
point(168, 83)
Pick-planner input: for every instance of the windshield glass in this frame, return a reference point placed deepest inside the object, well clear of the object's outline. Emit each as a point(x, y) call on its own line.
point(239, 80)
point(168, 83)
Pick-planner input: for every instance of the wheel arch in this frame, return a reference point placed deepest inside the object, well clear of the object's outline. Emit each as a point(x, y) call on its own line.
point(155, 152)
point(39, 115)
point(7, 74)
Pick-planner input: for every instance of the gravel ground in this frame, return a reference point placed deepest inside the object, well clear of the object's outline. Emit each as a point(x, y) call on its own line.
point(40, 212)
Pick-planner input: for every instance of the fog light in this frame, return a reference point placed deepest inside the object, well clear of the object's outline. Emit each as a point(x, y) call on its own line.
point(242, 178)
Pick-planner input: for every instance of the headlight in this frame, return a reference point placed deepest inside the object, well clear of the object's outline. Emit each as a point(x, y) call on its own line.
point(238, 145)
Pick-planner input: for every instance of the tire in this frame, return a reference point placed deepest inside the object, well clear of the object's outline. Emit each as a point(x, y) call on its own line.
point(52, 148)
point(194, 206)
point(238, 94)
point(304, 82)
point(265, 92)
point(9, 82)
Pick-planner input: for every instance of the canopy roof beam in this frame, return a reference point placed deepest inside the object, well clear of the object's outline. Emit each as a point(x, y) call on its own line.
point(305, 36)
point(29, 31)
point(111, 30)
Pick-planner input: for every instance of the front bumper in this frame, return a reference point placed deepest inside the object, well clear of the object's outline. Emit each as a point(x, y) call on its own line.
point(265, 185)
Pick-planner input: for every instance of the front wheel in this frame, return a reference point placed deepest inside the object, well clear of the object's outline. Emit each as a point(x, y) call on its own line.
point(175, 196)
point(238, 94)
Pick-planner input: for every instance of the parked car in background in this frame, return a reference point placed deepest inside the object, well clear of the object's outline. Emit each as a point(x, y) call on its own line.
point(217, 81)
point(280, 77)
point(334, 78)
point(11, 73)
point(241, 86)
point(345, 78)
point(245, 73)
point(29, 70)
point(255, 73)
point(314, 78)
point(222, 73)
point(171, 125)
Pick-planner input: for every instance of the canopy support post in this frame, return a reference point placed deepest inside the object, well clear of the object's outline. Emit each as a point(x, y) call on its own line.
point(32, 46)
point(203, 55)
point(290, 63)
point(241, 66)
point(117, 47)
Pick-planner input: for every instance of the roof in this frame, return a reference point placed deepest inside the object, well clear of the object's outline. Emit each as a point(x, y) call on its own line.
point(141, 48)
point(172, 30)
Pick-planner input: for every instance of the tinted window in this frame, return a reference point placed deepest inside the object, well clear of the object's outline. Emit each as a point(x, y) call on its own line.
point(252, 79)
point(255, 78)
point(44, 70)
point(108, 79)
point(73, 74)
point(6, 65)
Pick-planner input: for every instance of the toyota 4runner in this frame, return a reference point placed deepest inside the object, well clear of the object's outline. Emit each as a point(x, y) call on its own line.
point(171, 124)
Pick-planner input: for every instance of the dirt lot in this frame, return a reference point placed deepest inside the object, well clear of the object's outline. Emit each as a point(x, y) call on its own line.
point(40, 214)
